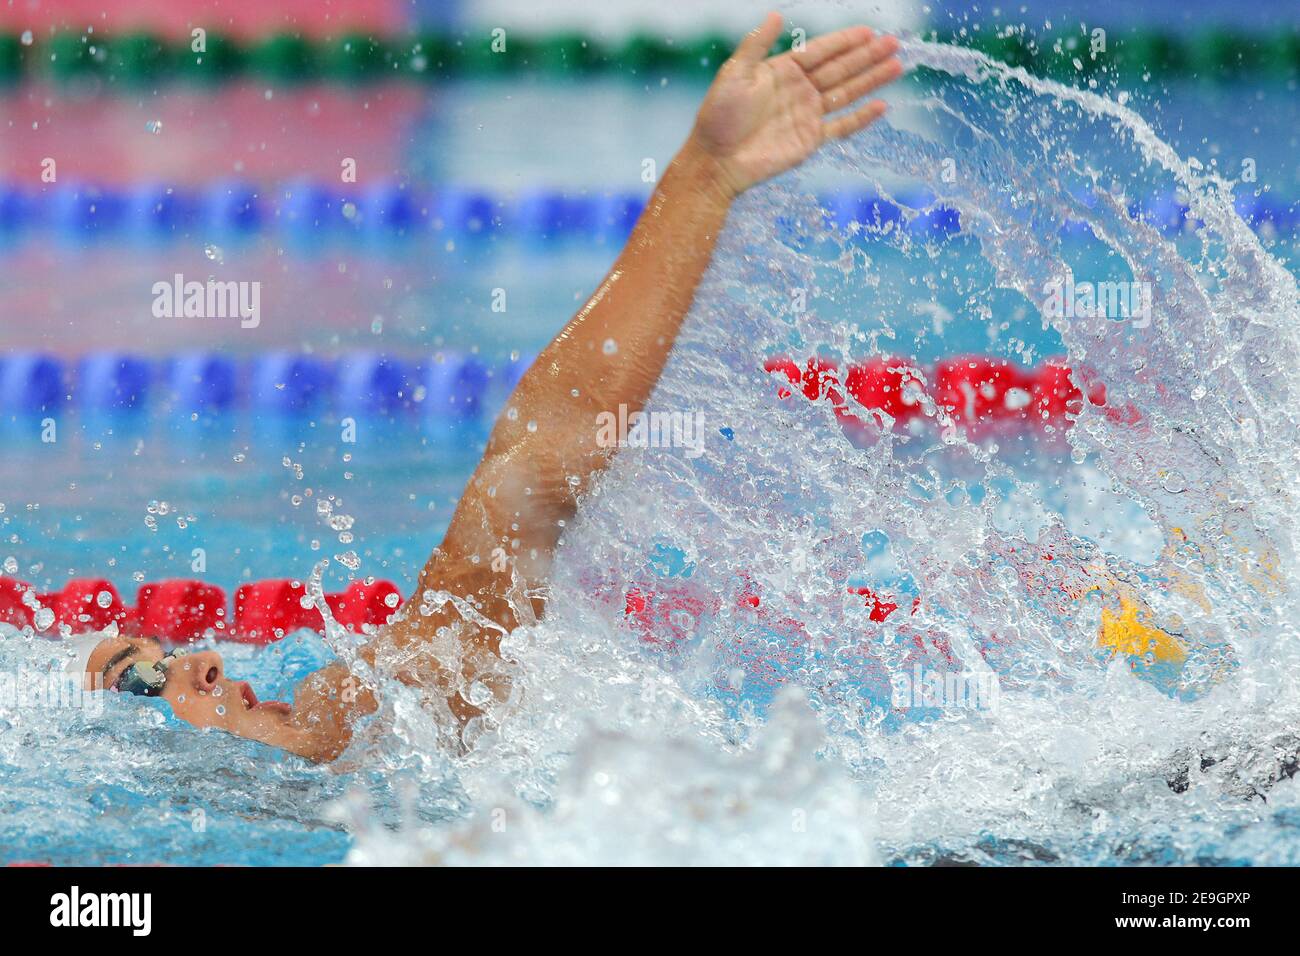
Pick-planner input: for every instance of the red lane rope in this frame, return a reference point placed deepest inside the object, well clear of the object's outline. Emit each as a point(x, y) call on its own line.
point(181, 610)
point(975, 389)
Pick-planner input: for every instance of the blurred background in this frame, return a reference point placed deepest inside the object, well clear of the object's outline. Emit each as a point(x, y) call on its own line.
point(423, 193)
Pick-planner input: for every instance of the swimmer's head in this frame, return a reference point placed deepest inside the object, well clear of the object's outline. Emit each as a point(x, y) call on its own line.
point(194, 684)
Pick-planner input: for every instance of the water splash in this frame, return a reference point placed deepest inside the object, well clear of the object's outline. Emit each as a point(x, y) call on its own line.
point(631, 798)
point(1085, 758)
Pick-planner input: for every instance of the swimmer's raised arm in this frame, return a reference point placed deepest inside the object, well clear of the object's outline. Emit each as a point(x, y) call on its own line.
point(762, 116)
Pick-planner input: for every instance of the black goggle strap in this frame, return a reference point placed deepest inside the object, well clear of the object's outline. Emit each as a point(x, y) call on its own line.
point(146, 678)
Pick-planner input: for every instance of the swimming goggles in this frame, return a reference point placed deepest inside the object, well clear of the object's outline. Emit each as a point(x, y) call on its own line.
point(146, 678)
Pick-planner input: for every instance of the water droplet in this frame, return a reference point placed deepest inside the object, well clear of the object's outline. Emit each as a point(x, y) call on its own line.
point(1016, 399)
point(43, 618)
point(392, 600)
point(104, 599)
point(11, 565)
point(215, 253)
point(221, 710)
point(610, 347)
point(154, 126)
point(27, 38)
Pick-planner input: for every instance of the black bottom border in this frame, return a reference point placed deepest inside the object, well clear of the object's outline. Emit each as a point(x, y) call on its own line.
point(337, 904)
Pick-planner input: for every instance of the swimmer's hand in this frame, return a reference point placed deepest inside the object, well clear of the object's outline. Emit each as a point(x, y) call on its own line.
point(764, 115)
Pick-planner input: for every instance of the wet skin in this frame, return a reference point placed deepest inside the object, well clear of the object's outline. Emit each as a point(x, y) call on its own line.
point(200, 693)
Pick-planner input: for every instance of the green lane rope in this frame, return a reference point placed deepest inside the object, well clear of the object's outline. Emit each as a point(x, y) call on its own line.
point(138, 59)
point(1213, 55)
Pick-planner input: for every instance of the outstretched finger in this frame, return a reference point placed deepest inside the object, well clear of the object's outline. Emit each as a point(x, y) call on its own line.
point(828, 47)
point(850, 123)
point(757, 42)
point(847, 65)
point(862, 84)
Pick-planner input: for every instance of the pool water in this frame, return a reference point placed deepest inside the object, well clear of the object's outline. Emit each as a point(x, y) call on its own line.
point(751, 739)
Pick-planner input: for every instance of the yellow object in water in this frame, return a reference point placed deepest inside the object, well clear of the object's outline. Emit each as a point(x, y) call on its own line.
point(1123, 633)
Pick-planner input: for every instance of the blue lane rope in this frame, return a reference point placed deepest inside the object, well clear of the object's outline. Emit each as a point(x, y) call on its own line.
point(312, 211)
point(446, 386)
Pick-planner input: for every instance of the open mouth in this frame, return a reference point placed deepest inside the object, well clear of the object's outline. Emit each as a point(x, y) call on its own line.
point(252, 703)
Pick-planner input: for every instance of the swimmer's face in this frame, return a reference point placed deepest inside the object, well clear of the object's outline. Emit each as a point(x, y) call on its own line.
point(197, 689)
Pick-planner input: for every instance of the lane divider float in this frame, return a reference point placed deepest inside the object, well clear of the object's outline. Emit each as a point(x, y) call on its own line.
point(306, 211)
point(448, 385)
point(143, 59)
point(454, 386)
point(666, 615)
point(182, 610)
point(972, 389)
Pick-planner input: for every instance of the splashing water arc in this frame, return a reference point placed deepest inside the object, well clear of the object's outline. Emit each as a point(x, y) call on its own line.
point(1180, 487)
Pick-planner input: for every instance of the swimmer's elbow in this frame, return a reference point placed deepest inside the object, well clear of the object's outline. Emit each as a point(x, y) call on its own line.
point(324, 750)
point(326, 704)
point(321, 742)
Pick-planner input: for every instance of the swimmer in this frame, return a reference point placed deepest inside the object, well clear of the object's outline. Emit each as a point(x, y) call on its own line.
point(762, 116)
